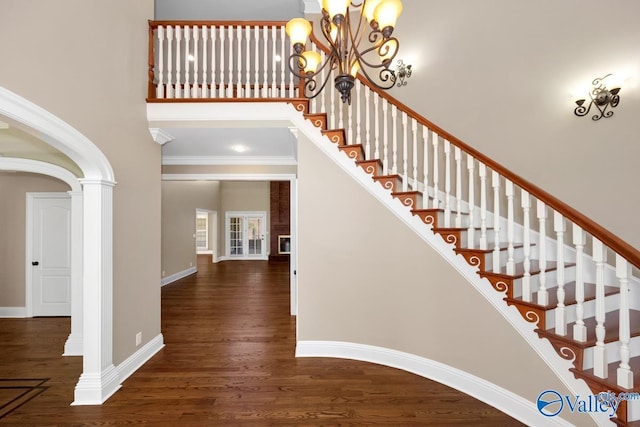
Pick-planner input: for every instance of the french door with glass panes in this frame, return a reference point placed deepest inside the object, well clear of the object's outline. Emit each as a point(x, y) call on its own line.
point(246, 235)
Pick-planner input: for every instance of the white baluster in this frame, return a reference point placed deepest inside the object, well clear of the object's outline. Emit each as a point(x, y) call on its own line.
point(359, 118)
point(367, 132)
point(256, 61)
point(274, 81)
point(341, 108)
point(239, 93)
point(281, 63)
point(178, 90)
point(471, 231)
point(223, 84)
point(160, 67)
point(350, 124)
point(205, 38)
point(435, 139)
point(187, 74)
point(394, 145)
point(333, 108)
point(385, 137)
point(265, 71)
point(482, 173)
point(195, 90)
point(579, 240)
point(290, 77)
point(414, 135)
point(376, 119)
point(214, 90)
point(623, 272)
point(457, 155)
point(425, 166)
point(447, 183)
point(170, 88)
point(247, 76)
point(509, 192)
point(230, 82)
point(405, 154)
point(600, 360)
point(559, 228)
point(495, 182)
point(526, 242)
point(543, 293)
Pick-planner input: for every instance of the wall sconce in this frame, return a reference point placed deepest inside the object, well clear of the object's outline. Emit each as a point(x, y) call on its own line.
point(402, 72)
point(601, 97)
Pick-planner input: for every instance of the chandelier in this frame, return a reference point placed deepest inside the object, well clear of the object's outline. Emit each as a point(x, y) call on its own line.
point(344, 24)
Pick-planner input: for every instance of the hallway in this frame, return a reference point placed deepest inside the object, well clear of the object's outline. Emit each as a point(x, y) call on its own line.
point(228, 361)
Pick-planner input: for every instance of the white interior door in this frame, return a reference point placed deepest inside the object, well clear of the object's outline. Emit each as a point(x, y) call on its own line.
point(246, 235)
point(50, 261)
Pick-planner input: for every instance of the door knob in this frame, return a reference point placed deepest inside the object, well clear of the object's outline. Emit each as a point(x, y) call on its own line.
point(35, 263)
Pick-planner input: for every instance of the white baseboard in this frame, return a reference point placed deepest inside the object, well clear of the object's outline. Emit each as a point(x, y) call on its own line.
point(177, 276)
point(13, 312)
point(140, 357)
point(506, 401)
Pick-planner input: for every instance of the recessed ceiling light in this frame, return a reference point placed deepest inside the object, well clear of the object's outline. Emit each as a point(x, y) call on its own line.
point(239, 148)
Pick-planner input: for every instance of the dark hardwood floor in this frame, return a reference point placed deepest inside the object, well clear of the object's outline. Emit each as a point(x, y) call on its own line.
point(228, 361)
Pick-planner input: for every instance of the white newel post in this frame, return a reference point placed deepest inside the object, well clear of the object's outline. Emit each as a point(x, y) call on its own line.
point(457, 155)
point(447, 183)
point(495, 182)
point(482, 173)
point(471, 239)
point(99, 378)
point(73, 345)
point(526, 243)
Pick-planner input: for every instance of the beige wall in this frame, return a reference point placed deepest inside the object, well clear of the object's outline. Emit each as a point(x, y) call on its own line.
point(86, 62)
point(180, 199)
point(498, 74)
point(364, 277)
point(13, 189)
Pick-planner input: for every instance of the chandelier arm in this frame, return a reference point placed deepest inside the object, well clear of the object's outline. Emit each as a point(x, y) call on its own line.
point(385, 75)
point(297, 58)
point(385, 63)
point(356, 40)
point(310, 86)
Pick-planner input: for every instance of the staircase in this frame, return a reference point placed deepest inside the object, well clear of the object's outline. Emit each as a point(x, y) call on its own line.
point(563, 273)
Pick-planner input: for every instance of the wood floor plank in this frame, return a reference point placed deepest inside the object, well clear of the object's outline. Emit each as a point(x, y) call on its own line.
point(229, 361)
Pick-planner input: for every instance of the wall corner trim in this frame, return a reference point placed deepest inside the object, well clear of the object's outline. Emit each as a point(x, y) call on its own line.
point(177, 276)
point(506, 401)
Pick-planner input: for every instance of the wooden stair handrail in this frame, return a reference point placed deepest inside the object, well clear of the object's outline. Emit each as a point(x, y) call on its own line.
point(614, 242)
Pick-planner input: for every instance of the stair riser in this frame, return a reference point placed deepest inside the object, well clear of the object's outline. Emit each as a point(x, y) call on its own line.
point(518, 256)
point(613, 352)
point(412, 202)
point(550, 281)
point(612, 302)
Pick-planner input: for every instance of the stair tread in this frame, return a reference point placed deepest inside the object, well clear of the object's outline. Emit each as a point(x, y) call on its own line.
point(457, 228)
point(611, 321)
point(396, 176)
point(400, 193)
point(440, 210)
point(569, 298)
point(488, 250)
point(519, 269)
point(610, 383)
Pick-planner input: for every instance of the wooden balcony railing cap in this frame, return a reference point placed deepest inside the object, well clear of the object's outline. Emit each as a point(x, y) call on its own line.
point(155, 24)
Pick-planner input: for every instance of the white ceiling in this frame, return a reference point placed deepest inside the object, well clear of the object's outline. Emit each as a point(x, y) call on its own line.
point(229, 146)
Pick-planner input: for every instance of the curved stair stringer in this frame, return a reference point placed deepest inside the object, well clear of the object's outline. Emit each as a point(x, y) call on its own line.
point(526, 329)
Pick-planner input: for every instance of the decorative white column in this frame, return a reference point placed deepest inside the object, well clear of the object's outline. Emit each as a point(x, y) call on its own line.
point(73, 346)
point(99, 378)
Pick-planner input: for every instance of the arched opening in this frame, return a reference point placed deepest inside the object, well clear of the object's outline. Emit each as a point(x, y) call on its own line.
point(99, 378)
